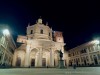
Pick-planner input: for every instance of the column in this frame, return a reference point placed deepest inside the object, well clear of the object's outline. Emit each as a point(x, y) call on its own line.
point(3, 59)
point(36, 60)
point(14, 60)
point(88, 56)
point(40, 57)
point(51, 58)
point(62, 48)
point(27, 63)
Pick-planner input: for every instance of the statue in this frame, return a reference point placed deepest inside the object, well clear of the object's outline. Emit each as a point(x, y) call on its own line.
point(61, 54)
point(61, 61)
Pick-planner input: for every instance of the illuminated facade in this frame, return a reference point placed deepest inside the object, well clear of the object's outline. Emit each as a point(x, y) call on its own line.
point(7, 47)
point(40, 47)
point(87, 54)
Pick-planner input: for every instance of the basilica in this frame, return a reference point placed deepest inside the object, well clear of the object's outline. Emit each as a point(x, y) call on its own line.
point(39, 47)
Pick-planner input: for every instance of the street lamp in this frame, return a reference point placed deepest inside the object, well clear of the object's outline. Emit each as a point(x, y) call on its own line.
point(6, 32)
point(97, 41)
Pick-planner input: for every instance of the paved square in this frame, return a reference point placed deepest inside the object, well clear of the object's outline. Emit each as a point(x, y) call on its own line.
point(51, 71)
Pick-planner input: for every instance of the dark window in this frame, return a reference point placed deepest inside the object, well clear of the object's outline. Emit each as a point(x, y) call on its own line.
point(83, 51)
point(78, 60)
point(49, 34)
point(69, 55)
point(0, 57)
point(41, 31)
point(31, 31)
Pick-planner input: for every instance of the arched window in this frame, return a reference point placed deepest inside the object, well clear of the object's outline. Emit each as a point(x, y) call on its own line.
point(41, 31)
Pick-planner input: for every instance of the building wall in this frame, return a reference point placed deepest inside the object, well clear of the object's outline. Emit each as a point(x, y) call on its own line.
point(7, 47)
point(87, 54)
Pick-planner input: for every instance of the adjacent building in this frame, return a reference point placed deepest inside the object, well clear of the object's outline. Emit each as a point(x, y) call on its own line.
point(7, 47)
point(39, 47)
point(87, 54)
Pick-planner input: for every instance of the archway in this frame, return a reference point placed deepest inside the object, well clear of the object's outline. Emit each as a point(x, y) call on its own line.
point(77, 62)
point(44, 62)
point(95, 60)
point(84, 60)
point(18, 62)
point(56, 58)
point(32, 62)
point(33, 57)
point(45, 58)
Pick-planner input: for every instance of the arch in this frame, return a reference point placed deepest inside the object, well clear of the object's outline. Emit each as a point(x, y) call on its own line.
point(31, 32)
point(56, 58)
point(20, 58)
point(33, 57)
point(44, 62)
point(18, 62)
point(95, 59)
point(34, 50)
point(56, 51)
point(33, 62)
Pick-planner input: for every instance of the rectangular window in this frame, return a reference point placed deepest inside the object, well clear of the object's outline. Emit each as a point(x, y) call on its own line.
point(31, 32)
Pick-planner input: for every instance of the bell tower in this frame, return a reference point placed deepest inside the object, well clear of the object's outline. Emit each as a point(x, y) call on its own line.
point(58, 37)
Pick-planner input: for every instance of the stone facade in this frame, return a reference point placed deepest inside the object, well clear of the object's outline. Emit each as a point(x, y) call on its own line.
point(40, 47)
point(87, 54)
point(7, 47)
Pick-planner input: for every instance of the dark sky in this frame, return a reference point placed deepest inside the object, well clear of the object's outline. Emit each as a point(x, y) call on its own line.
point(78, 20)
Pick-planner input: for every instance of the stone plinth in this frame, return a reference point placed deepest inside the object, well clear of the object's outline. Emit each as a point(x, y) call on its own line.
point(61, 64)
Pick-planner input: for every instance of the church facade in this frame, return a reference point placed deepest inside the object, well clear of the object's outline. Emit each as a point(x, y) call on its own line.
point(40, 47)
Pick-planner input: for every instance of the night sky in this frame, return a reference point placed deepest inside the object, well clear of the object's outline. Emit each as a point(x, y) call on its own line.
point(78, 20)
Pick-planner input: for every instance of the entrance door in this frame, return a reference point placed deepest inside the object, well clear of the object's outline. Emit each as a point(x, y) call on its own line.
point(44, 62)
point(85, 62)
point(77, 63)
point(95, 60)
point(33, 62)
point(65, 63)
point(18, 62)
point(54, 62)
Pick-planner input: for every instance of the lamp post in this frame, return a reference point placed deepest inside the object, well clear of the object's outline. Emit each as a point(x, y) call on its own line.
point(97, 43)
point(6, 32)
